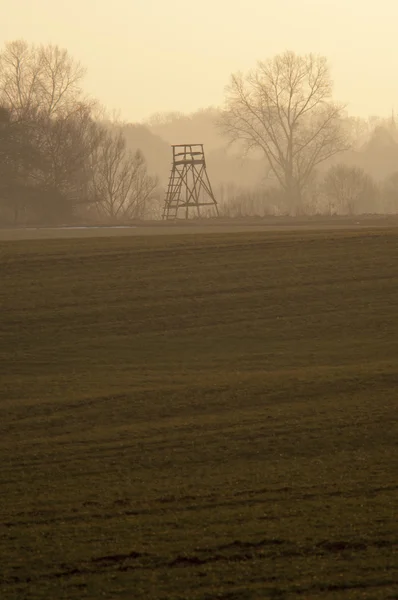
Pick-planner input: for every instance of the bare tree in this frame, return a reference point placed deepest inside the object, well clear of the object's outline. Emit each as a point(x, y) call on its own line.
point(349, 190)
point(284, 108)
point(39, 79)
point(121, 180)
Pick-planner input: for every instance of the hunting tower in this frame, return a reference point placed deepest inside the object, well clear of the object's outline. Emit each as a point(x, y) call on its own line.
point(189, 185)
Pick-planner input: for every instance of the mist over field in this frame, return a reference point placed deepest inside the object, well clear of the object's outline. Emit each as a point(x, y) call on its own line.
point(294, 121)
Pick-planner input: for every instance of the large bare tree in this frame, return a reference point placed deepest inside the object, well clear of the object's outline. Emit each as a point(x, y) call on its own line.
point(284, 107)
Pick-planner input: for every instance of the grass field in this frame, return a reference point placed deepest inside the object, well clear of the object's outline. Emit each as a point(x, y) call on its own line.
point(200, 417)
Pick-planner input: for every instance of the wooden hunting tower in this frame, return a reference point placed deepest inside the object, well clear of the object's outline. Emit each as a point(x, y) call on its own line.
point(189, 185)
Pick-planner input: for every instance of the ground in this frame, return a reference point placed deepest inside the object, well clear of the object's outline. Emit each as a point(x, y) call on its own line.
point(198, 417)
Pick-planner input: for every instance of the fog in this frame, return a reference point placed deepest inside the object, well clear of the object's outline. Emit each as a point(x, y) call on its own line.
point(156, 74)
point(145, 56)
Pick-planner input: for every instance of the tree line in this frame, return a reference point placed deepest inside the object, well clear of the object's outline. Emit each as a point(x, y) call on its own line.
point(58, 160)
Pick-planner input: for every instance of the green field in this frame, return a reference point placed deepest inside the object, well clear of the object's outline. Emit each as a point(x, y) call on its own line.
point(200, 417)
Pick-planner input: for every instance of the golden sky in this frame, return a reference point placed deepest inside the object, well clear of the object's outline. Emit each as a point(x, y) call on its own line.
point(146, 56)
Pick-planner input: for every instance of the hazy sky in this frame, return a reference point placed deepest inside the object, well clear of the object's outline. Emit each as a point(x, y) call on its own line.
point(145, 56)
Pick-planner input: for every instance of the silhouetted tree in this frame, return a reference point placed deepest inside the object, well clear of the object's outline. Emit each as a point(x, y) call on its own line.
point(284, 108)
point(122, 185)
point(41, 88)
point(19, 159)
point(68, 143)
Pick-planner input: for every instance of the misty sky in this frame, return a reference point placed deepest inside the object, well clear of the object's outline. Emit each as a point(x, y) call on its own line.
point(145, 56)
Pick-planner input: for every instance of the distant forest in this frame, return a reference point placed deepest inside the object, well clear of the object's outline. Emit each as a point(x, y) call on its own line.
point(280, 145)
